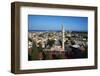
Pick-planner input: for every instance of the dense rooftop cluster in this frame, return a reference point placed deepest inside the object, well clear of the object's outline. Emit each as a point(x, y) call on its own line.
point(48, 45)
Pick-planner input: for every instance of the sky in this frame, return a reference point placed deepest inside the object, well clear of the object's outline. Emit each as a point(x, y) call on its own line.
point(47, 22)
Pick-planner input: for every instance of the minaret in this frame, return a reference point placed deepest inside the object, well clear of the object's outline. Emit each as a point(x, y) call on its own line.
point(63, 37)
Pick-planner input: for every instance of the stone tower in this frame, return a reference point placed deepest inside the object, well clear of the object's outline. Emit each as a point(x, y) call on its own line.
point(63, 38)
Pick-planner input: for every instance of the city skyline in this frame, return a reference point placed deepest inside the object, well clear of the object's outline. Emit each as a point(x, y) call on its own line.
point(47, 22)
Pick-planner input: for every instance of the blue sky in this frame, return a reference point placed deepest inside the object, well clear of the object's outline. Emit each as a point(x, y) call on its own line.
point(47, 22)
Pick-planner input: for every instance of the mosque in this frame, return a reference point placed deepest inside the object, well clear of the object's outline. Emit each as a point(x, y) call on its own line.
point(57, 46)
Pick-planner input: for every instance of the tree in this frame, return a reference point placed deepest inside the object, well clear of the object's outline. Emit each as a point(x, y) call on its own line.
point(29, 39)
point(50, 42)
point(34, 55)
point(40, 49)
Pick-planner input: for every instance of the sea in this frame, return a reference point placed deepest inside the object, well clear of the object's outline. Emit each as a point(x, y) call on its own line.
point(44, 30)
point(56, 31)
